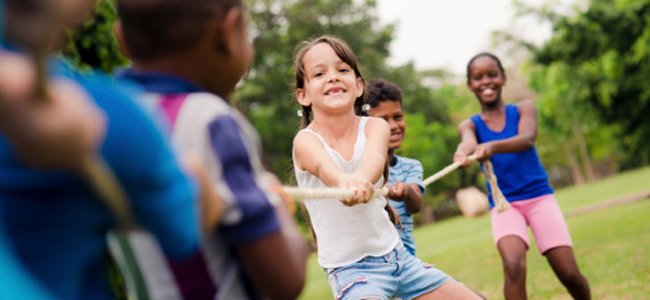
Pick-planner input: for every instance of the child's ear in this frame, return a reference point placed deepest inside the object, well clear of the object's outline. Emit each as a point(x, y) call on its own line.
point(119, 36)
point(231, 30)
point(301, 96)
point(360, 87)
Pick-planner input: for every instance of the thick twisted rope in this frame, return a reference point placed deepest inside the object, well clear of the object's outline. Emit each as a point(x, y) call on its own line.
point(500, 203)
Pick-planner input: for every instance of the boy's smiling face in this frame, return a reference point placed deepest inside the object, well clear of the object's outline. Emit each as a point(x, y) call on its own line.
point(391, 111)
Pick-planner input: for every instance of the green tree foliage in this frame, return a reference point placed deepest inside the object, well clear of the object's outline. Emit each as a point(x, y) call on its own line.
point(278, 26)
point(93, 45)
point(595, 69)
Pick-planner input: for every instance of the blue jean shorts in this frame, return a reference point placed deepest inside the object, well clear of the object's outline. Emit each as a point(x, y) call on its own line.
point(397, 274)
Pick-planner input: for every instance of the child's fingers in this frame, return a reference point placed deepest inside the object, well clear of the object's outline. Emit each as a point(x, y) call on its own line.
point(462, 159)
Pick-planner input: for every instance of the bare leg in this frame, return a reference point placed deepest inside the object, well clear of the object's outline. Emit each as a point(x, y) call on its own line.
point(566, 269)
point(452, 290)
point(513, 256)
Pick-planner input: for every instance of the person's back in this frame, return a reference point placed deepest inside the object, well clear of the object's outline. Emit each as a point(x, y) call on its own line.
point(16, 282)
point(189, 71)
point(58, 223)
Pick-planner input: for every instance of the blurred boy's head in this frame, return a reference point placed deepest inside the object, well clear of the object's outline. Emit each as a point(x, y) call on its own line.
point(203, 41)
point(385, 101)
point(41, 23)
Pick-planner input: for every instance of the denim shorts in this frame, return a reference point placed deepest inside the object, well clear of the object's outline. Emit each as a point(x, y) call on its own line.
point(397, 274)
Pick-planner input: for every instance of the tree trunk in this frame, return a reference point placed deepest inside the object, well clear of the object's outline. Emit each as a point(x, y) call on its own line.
point(576, 173)
point(584, 153)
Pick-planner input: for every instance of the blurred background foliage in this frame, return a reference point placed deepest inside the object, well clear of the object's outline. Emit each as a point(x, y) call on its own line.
point(589, 83)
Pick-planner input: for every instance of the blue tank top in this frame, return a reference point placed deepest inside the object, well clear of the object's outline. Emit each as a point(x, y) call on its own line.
point(520, 175)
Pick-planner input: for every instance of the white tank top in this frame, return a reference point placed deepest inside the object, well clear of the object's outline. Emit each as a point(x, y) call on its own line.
point(347, 234)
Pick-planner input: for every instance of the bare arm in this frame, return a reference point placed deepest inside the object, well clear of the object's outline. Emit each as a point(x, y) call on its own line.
point(277, 263)
point(310, 155)
point(525, 139)
point(55, 133)
point(375, 156)
point(467, 143)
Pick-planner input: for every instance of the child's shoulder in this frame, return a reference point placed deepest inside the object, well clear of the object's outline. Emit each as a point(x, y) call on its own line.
point(375, 124)
point(524, 105)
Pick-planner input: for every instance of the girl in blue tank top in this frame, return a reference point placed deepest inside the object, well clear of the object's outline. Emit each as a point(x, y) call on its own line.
point(505, 135)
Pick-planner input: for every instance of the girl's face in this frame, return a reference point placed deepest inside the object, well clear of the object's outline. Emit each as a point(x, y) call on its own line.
point(330, 85)
point(486, 80)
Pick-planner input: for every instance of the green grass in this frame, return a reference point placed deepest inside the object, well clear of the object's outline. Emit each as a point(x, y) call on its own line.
point(612, 247)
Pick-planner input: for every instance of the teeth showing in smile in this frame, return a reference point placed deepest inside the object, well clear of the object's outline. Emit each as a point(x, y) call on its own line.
point(334, 91)
point(487, 91)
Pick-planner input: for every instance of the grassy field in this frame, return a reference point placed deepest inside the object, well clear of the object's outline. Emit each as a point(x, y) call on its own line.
point(612, 247)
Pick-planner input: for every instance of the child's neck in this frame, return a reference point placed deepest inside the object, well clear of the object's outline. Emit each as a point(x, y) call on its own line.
point(492, 108)
point(340, 132)
point(179, 68)
point(334, 125)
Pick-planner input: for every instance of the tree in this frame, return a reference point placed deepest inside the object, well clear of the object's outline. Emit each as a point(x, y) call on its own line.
point(601, 58)
point(93, 45)
point(277, 27)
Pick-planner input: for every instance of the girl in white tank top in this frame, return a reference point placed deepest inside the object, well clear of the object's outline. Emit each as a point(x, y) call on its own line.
point(358, 246)
point(347, 234)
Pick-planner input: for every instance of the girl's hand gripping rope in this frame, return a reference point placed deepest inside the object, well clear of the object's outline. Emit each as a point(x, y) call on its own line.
point(362, 190)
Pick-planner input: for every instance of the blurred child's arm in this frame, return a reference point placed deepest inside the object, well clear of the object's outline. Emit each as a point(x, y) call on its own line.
point(54, 133)
point(525, 139)
point(409, 193)
point(467, 143)
point(265, 237)
point(211, 204)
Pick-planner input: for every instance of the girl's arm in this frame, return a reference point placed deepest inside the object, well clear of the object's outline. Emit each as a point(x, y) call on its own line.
point(311, 156)
point(376, 154)
point(524, 140)
point(467, 143)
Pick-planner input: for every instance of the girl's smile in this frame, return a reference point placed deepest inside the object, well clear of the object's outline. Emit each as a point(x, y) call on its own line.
point(486, 80)
point(330, 83)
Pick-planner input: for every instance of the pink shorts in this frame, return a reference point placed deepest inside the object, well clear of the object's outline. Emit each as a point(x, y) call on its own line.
point(544, 217)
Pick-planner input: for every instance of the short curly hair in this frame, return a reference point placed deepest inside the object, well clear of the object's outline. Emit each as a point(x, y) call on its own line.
point(379, 90)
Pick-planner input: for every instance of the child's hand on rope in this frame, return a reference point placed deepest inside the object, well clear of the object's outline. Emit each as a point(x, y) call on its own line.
point(397, 191)
point(58, 133)
point(462, 159)
point(275, 186)
point(362, 190)
point(484, 151)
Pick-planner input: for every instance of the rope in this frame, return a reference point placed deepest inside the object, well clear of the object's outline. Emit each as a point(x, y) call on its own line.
point(320, 193)
point(300, 194)
point(104, 183)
